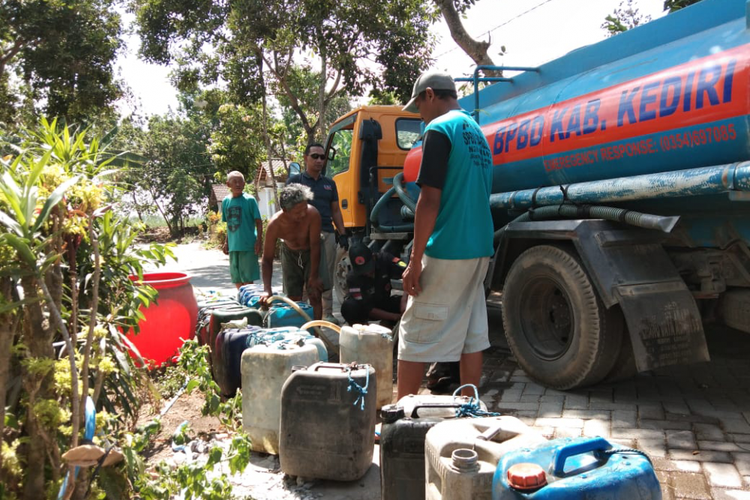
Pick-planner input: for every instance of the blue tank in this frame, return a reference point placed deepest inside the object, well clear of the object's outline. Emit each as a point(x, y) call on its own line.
point(591, 468)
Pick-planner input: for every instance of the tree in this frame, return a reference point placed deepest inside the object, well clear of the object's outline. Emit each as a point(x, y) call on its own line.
point(349, 45)
point(59, 53)
point(626, 16)
point(452, 10)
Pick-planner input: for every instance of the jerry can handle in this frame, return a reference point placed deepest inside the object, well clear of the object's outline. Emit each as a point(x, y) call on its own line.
point(593, 444)
point(415, 411)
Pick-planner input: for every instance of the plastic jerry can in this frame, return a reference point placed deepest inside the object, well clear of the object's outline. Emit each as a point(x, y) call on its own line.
point(328, 421)
point(402, 437)
point(591, 468)
point(204, 315)
point(249, 295)
point(281, 314)
point(373, 345)
point(229, 346)
point(221, 316)
point(264, 369)
point(461, 455)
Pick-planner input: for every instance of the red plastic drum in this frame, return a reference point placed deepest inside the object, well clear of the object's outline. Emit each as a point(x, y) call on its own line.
point(168, 322)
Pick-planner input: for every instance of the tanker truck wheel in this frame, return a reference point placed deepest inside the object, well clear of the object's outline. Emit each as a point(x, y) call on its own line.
point(556, 325)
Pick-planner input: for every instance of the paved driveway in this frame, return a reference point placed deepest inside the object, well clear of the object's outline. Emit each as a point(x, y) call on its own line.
point(694, 421)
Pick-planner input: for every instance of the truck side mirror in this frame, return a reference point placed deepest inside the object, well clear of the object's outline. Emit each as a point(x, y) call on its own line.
point(294, 168)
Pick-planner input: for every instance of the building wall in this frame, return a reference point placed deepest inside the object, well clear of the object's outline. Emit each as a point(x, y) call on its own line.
point(266, 205)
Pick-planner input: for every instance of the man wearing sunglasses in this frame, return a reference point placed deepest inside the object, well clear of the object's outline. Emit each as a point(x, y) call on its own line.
point(326, 200)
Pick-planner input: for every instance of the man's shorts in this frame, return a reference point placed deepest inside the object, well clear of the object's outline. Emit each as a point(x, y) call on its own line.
point(449, 317)
point(295, 270)
point(243, 267)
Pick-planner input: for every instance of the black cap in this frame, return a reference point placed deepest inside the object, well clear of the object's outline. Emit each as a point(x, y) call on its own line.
point(361, 259)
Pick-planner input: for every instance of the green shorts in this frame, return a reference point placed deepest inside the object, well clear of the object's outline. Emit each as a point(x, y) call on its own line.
point(243, 267)
point(295, 270)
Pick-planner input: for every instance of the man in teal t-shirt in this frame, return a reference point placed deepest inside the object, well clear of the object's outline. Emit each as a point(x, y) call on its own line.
point(240, 212)
point(446, 316)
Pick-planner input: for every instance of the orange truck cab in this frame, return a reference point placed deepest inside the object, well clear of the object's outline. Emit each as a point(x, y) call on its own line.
point(366, 148)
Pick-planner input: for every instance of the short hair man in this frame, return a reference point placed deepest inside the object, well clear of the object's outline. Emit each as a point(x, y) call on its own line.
point(297, 224)
point(446, 315)
point(326, 201)
point(369, 283)
point(244, 231)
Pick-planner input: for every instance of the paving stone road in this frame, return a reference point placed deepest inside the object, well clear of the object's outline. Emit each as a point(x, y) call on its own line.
point(694, 421)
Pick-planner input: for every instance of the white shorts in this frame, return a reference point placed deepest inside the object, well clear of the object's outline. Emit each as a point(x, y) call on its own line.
point(449, 317)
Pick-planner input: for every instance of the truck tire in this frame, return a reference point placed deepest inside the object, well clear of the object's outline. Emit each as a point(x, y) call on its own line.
point(556, 325)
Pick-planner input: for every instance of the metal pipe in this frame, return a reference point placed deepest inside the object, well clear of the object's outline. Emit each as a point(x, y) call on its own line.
point(692, 182)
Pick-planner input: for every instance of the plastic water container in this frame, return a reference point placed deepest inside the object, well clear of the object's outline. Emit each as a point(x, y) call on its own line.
point(327, 423)
point(264, 368)
point(402, 438)
point(168, 321)
point(220, 317)
point(590, 468)
point(249, 295)
point(280, 314)
point(229, 346)
point(373, 345)
point(205, 309)
point(461, 455)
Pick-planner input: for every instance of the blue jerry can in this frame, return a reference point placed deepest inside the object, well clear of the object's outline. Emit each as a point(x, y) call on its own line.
point(284, 315)
point(568, 468)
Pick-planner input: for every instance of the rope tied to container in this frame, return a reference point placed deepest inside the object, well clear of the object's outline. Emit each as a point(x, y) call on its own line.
point(626, 451)
point(472, 408)
point(358, 388)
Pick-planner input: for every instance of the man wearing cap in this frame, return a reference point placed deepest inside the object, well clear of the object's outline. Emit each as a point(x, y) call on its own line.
point(326, 201)
point(369, 284)
point(446, 316)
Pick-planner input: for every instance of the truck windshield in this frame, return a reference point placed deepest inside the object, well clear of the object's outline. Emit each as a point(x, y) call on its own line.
point(340, 147)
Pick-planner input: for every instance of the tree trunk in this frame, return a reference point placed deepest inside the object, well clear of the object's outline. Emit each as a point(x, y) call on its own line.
point(38, 335)
point(7, 333)
point(475, 49)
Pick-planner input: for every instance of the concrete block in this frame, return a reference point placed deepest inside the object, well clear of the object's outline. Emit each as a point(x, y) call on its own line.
point(735, 425)
point(654, 447)
point(681, 439)
point(650, 412)
point(550, 410)
point(718, 446)
point(664, 424)
point(679, 407)
point(742, 462)
point(511, 396)
point(687, 485)
point(709, 432)
point(721, 494)
point(576, 402)
point(722, 475)
point(595, 427)
point(534, 389)
point(637, 434)
point(598, 414)
point(574, 423)
point(624, 419)
point(565, 432)
point(700, 455)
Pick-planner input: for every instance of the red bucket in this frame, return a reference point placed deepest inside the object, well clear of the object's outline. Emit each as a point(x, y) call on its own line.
point(170, 321)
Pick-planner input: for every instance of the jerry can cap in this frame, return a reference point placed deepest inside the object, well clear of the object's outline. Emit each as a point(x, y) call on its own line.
point(526, 476)
point(391, 413)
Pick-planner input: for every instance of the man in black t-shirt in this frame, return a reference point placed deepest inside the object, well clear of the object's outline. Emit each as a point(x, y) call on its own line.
point(369, 283)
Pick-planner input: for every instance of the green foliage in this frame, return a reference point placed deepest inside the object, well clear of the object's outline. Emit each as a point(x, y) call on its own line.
point(235, 42)
point(625, 17)
point(56, 191)
point(58, 56)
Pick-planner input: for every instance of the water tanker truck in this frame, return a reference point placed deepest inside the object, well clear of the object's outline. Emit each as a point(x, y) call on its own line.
point(621, 194)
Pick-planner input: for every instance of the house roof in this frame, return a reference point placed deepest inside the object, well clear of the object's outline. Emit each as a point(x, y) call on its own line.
point(279, 169)
point(218, 193)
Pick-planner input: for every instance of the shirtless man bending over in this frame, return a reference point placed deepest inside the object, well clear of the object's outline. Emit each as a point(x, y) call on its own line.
point(297, 224)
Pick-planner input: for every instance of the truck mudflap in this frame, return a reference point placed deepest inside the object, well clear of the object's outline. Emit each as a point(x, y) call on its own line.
point(630, 267)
